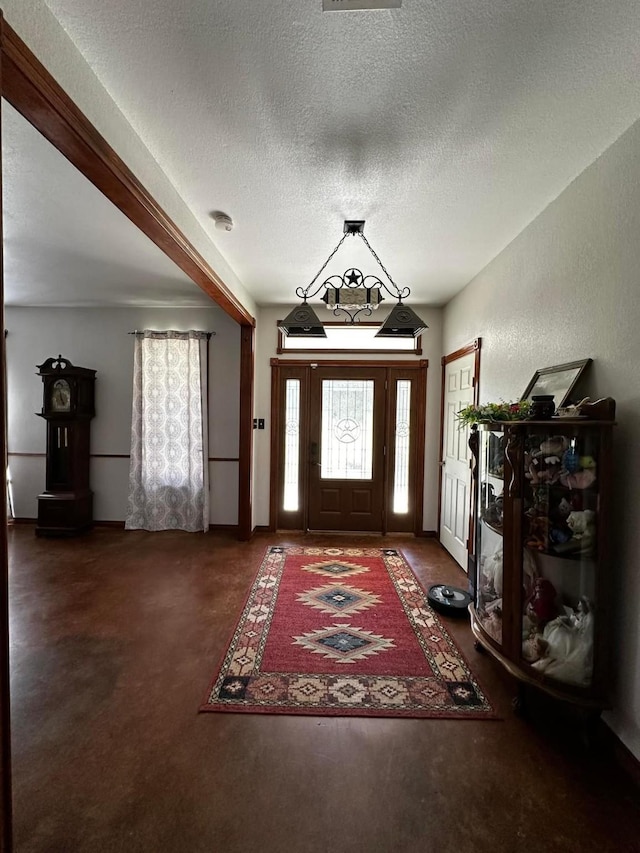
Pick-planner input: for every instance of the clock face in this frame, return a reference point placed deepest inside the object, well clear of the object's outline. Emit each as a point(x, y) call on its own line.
point(60, 396)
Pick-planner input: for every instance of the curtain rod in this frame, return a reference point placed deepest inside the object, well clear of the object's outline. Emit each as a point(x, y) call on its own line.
point(208, 334)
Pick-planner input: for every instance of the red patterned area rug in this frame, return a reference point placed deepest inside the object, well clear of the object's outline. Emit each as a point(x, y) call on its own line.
point(343, 631)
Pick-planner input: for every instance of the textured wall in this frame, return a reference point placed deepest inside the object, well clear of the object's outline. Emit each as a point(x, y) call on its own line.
point(266, 344)
point(97, 338)
point(567, 288)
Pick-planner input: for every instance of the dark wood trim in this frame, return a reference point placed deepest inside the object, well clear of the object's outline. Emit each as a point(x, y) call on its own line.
point(343, 362)
point(421, 404)
point(109, 456)
point(428, 534)
point(119, 525)
point(6, 811)
point(474, 346)
point(33, 92)
point(274, 445)
point(278, 519)
point(120, 456)
point(245, 505)
point(263, 528)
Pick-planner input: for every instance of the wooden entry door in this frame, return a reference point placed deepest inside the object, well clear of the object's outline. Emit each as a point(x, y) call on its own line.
point(347, 447)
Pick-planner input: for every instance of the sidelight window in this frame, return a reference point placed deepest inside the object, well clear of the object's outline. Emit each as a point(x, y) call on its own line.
point(402, 438)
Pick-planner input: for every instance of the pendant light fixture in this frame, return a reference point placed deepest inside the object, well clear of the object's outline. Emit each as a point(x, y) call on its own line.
point(352, 294)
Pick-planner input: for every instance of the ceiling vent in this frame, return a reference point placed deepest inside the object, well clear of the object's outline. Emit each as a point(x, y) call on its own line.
point(351, 5)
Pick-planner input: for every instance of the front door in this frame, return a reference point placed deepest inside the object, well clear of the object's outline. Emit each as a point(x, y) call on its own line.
point(459, 383)
point(347, 447)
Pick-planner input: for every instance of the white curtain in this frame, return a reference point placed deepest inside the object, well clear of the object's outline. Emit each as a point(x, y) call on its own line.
point(169, 468)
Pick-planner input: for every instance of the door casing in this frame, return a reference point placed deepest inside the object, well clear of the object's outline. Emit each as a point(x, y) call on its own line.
point(473, 348)
point(282, 369)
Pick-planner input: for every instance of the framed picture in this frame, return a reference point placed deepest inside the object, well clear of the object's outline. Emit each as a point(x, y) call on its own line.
point(559, 380)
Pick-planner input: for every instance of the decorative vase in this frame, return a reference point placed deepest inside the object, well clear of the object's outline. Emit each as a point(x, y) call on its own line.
point(542, 407)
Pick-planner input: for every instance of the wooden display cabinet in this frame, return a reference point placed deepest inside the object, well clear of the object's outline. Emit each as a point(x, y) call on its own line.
point(65, 508)
point(541, 572)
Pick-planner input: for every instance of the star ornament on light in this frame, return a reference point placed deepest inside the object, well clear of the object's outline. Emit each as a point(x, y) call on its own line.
point(353, 277)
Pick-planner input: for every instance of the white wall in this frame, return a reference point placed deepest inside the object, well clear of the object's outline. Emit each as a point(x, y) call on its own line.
point(97, 338)
point(568, 288)
point(266, 345)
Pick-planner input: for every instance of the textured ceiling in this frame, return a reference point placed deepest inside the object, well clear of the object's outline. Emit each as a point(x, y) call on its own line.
point(66, 244)
point(447, 124)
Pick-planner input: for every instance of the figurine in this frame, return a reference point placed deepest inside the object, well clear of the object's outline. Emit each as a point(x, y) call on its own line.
point(492, 573)
point(565, 646)
point(541, 606)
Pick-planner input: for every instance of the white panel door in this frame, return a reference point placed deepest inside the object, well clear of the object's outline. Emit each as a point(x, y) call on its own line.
point(456, 473)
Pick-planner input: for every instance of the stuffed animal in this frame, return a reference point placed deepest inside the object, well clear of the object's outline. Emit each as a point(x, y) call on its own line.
point(544, 465)
point(538, 536)
point(570, 459)
point(582, 526)
point(493, 514)
point(588, 462)
point(544, 469)
point(564, 508)
point(554, 446)
point(580, 480)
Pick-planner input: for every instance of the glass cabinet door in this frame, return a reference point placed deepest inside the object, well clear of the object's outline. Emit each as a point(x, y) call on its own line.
point(560, 532)
point(489, 582)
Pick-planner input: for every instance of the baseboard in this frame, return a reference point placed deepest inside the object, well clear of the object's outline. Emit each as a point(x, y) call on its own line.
point(263, 528)
point(622, 755)
point(428, 534)
point(119, 525)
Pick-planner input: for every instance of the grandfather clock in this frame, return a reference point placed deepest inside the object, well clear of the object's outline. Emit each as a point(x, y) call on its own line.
point(65, 508)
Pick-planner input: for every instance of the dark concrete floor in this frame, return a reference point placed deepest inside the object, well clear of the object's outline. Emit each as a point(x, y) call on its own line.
point(115, 637)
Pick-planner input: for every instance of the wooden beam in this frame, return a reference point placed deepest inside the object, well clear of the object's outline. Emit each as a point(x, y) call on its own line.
point(32, 91)
point(6, 819)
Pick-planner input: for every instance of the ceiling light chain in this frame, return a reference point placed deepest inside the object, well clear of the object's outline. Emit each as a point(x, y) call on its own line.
point(303, 292)
point(402, 292)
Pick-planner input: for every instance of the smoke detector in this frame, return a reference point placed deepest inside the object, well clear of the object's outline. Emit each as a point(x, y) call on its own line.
point(351, 5)
point(223, 222)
